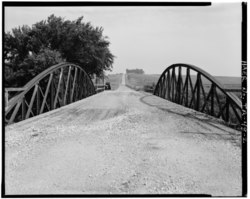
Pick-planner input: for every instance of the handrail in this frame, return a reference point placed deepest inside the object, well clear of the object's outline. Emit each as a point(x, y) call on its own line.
point(6, 95)
point(15, 89)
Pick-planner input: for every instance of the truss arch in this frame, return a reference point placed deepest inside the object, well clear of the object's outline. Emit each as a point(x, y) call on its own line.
point(190, 86)
point(55, 87)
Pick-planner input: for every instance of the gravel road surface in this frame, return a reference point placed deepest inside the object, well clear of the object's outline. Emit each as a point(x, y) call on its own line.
point(123, 142)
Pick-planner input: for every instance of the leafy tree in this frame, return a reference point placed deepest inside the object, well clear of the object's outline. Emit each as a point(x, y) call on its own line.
point(31, 66)
point(30, 50)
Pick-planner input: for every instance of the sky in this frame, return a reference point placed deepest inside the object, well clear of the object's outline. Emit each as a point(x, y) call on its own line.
point(153, 38)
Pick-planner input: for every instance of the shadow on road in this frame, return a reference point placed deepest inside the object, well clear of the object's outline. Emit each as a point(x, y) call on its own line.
point(206, 122)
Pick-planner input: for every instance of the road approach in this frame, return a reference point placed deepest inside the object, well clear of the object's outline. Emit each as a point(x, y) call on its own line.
point(123, 142)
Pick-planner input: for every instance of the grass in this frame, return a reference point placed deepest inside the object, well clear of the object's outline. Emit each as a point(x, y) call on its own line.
point(142, 81)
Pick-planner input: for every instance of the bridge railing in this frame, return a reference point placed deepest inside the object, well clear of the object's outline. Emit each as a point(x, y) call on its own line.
point(55, 87)
point(14, 91)
point(194, 88)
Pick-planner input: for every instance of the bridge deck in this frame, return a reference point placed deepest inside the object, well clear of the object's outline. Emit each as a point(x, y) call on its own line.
point(123, 141)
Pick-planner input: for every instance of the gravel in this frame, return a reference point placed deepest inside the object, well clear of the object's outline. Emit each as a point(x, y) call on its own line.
point(123, 142)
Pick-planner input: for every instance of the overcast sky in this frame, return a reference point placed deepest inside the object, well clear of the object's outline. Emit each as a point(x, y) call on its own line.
point(152, 38)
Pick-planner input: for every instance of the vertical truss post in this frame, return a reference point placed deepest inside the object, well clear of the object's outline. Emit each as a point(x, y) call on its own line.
point(163, 87)
point(169, 84)
point(23, 108)
point(198, 91)
point(37, 100)
point(52, 93)
point(70, 89)
point(66, 89)
point(173, 83)
point(58, 88)
point(46, 90)
point(188, 74)
point(227, 110)
point(212, 99)
point(179, 86)
point(74, 83)
point(194, 95)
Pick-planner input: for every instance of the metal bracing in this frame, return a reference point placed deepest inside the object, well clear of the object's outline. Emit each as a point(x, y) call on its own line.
point(55, 87)
point(197, 89)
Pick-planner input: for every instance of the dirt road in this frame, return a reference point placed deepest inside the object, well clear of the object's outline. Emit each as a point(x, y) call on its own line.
point(123, 142)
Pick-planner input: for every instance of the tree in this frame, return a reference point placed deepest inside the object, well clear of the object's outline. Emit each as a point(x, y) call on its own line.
point(31, 66)
point(30, 50)
point(136, 71)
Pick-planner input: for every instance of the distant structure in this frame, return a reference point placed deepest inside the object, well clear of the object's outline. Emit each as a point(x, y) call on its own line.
point(101, 79)
point(136, 71)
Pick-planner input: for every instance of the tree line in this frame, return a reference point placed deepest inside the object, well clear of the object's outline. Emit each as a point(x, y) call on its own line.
point(136, 71)
point(30, 50)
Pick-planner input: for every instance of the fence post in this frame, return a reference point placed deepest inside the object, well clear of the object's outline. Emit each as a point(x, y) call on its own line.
point(6, 95)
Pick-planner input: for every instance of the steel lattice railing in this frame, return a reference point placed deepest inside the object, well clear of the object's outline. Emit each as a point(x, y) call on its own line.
point(194, 88)
point(55, 87)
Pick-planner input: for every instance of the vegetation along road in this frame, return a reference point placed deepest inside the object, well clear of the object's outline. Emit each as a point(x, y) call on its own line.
point(123, 142)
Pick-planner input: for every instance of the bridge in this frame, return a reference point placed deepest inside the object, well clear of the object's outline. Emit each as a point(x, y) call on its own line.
point(63, 138)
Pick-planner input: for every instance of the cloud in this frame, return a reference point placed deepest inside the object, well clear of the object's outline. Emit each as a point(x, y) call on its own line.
point(155, 37)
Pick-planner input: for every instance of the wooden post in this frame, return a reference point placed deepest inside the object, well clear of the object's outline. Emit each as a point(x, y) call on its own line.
point(6, 95)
